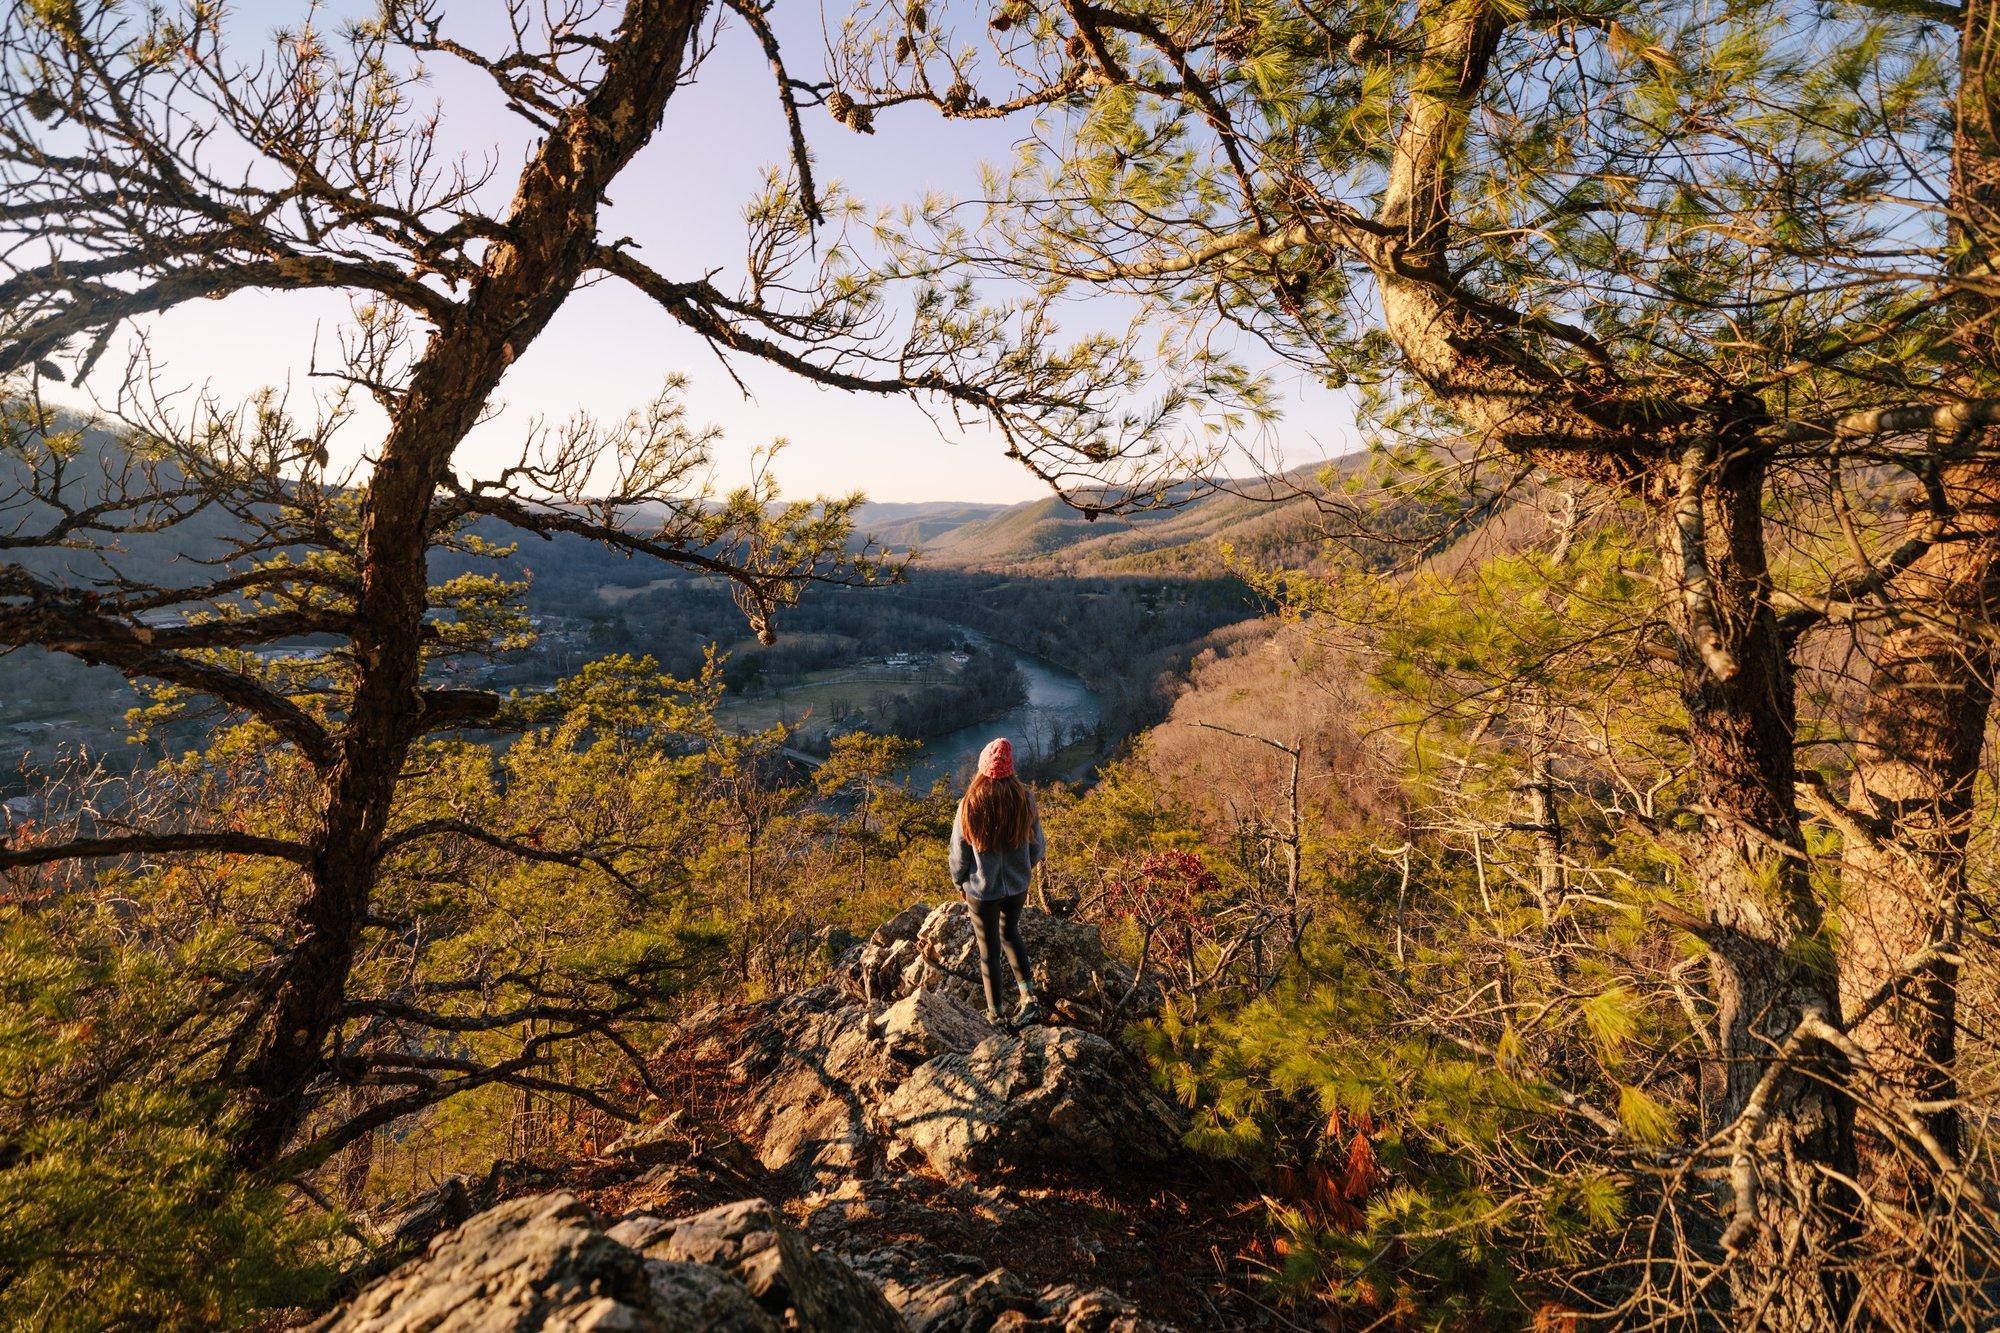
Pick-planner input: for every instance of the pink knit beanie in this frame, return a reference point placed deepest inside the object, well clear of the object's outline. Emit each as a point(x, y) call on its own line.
point(997, 759)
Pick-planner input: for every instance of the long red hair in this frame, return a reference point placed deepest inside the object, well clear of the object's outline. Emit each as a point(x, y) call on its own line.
point(996, 812)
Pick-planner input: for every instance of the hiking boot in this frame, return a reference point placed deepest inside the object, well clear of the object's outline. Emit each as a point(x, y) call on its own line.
point(1029, 1014)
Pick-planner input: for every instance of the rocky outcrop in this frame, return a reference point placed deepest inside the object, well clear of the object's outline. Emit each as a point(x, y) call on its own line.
point(546, 1264)
point(810, 1071)
point(695, 1296)
point(776, 1265)
point(895, 1059)
point(925, 949)
point(535, 1263)
point(900, 1128)
point(998, 1299)
point(1054, 1097)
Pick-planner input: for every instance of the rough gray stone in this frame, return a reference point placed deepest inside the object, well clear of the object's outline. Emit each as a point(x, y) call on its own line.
point(836, 1090)
point(1068, 959)
point(695, 1296)
point(540, 1265)
point(1048, 1098)
point(925, 1023)
point(959, 1303)
point(1075, 1309)
point(831, 1088)
point(811, 1068)
point(932, 1298)
point(532, 1264)
point(446, 1205)
point(665, 1137)
point(811, 1291)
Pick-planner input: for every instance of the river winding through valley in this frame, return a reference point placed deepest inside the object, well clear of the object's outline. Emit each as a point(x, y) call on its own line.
point(1058, 707)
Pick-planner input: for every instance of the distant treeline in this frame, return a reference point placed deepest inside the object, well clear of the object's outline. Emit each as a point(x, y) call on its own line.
point(1131, 639)
point(988, 685)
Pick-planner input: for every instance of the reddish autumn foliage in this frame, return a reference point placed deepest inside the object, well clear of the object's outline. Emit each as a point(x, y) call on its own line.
point(1166, 895)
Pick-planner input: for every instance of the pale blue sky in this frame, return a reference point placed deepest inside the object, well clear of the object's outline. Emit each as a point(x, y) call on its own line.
point(681, 200)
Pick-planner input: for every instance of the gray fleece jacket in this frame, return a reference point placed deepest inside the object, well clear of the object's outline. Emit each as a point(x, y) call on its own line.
point(998, 872)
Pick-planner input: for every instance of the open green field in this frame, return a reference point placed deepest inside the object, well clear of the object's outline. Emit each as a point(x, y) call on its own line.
point(824, 694)
point(617, 594)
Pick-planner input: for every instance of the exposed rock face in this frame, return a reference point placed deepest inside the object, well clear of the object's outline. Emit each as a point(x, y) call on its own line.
point(813, 1067)
point(925, 1024)
point(932, 949)
point(962, 1301)
point(815, 1070)
point(830, 1084)
point(696, 1296)
point(536, 1263)
point(955, 1293)
point(890, 1111)
point(1074, 1309)
point(1051, 1097)
point(998, 1301)
point(774, 1263)
point(545, 1265)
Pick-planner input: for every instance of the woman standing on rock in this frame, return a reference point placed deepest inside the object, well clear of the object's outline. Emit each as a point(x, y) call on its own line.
point(996, 843)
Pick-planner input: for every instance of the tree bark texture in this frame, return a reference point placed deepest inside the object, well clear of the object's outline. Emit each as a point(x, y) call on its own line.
point(545, 243)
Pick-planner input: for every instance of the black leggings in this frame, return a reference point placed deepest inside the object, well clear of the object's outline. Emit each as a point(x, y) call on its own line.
point(998, 927)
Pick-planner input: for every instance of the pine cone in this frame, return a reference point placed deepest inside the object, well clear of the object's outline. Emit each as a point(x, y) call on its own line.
point(42, 105)
point(839, 105)
point(904, 48)
point(1076, 46)
point(1363, 47)
point(1287, 294)
point(919, 19)
point(958, 96)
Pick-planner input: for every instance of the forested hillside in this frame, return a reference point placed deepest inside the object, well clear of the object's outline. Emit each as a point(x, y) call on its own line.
point(1178, 534)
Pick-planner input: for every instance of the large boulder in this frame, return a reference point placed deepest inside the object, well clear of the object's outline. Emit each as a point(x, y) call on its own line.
point(932, 949)
point(960, 1302)
point(811, 1068)
point(543, 1265)
point(774, 1263)
point(1074, 1309)
point(536, 1263)
point(826, 1083)
point(695, 1296)
point(1047, 1098)
point(875, 970)
point(926, 1024)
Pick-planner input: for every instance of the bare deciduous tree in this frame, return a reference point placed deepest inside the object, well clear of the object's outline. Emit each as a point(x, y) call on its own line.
point(145, 165)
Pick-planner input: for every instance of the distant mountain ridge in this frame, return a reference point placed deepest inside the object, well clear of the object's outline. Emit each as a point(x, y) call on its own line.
point(900, 526)
point(1177, 534)
point(1272, 520)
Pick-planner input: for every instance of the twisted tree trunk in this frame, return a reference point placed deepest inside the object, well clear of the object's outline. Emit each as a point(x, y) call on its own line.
point(1917, 752)
point(1773, 1090)
point(545, 244)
